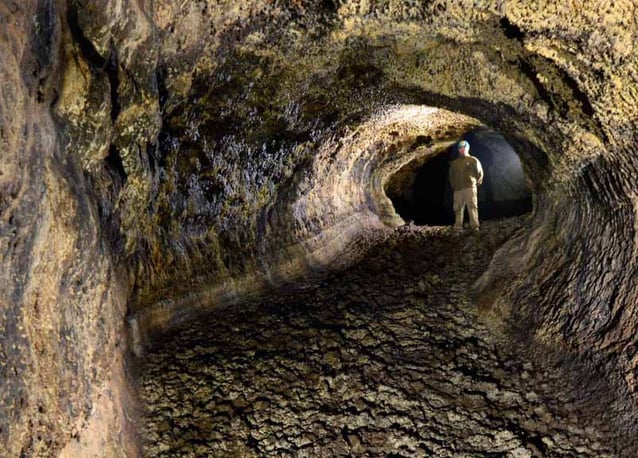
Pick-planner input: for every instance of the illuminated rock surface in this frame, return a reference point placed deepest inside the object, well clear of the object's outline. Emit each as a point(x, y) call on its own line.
point(386, 358)
point(162, 158)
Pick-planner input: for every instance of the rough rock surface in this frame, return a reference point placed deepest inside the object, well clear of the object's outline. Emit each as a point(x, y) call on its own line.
point(62, 302)
point(385, 358)
point(159, 157)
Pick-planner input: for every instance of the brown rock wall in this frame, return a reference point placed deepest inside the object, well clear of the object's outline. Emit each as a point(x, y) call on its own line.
point(62, 304)
point(174, 155)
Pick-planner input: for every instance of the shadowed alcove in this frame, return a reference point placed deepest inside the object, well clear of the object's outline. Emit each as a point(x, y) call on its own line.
point(421, 192)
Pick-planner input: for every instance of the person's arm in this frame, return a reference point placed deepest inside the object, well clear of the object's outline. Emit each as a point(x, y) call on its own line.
point(479, 172)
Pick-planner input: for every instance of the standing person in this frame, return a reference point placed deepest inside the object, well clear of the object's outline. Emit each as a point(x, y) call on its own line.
point(466, 174)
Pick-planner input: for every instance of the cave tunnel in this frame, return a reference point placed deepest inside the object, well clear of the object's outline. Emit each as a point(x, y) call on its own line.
point(428, 197)
point(203, 238)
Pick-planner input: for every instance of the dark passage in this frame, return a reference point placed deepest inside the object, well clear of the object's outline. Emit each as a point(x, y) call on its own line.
point(421, 192)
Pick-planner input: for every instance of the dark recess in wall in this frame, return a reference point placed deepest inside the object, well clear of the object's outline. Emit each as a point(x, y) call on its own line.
point(114, 163)
point(510, 30)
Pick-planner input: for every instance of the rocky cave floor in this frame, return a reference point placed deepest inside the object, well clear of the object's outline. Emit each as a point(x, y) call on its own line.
point(387, 358)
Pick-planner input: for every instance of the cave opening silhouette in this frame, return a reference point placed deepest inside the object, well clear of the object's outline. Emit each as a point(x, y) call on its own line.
point(421, 191)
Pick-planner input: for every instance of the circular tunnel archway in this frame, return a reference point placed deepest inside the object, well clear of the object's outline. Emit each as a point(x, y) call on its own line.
point(421, 193)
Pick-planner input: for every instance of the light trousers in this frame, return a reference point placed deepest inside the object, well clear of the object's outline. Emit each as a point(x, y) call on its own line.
point(469, 197)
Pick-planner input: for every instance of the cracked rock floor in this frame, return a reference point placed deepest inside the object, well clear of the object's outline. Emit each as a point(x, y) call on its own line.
point(386, 358)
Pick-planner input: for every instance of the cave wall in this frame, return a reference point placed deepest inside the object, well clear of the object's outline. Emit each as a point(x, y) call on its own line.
point(62, 302)
point(165, 156)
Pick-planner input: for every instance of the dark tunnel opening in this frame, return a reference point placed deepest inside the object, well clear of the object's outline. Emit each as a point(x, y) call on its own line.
point(421, 192)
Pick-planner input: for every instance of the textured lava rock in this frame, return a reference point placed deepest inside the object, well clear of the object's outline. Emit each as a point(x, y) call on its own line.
point(387, 357)
point(62, 302)
point(169, 155)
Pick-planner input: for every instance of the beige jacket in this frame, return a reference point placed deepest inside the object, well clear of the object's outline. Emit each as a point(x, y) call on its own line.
point(465, 172)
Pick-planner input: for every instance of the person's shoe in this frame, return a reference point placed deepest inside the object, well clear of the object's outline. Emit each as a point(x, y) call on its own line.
point(475, 230)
